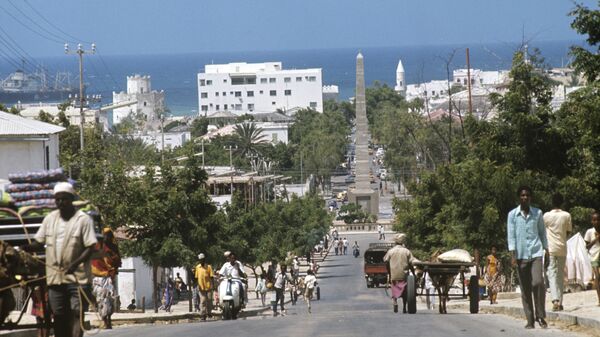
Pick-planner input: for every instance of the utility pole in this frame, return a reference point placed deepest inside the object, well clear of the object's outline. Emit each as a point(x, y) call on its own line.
point(301, 175)
point(469, 81)
point(203, 153)
point(80, 51)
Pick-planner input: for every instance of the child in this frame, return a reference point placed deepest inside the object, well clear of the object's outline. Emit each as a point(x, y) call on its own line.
point(592, 239)
point(310, 282)
point(261, 288)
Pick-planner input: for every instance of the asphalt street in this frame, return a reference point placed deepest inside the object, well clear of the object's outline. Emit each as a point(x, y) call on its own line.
point(348, 308)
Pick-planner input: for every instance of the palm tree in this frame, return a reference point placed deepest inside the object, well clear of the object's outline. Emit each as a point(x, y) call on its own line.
point(249, 139)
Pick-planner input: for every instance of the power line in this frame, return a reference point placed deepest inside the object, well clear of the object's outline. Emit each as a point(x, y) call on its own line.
point(29, 28)
point(52, 25)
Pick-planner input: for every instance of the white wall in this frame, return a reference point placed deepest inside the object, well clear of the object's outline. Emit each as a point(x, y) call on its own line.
point(134, 280)
point(217, 93)
point(20, 155)
point(172, 139)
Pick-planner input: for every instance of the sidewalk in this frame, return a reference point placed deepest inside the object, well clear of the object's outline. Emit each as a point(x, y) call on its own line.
point(580, 308)
point(179, 311)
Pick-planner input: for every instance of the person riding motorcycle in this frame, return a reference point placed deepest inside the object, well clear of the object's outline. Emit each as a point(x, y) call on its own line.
point(234, 269)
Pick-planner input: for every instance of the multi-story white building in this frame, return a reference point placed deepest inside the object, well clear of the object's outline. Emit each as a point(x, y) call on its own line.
point(149, 102)
point(258, 87)
point(480, 78)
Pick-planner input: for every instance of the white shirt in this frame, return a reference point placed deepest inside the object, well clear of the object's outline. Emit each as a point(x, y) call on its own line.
point(558, 223)
point(60, 237)
point(230, 270)
point(589, 237)
point(280, 280)
point(346, 243)
point(309, 281)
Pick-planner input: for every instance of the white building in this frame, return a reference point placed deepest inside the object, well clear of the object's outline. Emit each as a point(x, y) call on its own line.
point(134, 281)
point(258, 87)
point(149, 102)
point(32, 111)
point(480, 78)
point(431, 92)
point(331, 92)
point(27, 145)
point(271, 132)
point(172, 139)
point(400, 80)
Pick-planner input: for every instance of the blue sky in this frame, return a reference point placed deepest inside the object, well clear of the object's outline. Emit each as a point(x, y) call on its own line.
point(184, 26)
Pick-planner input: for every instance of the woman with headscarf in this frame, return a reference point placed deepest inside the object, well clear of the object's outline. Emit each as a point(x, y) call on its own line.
point(104, 268)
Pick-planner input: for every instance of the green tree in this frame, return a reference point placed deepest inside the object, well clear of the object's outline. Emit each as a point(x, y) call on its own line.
point(199, 127)
point(249, 139)
point(587, 22)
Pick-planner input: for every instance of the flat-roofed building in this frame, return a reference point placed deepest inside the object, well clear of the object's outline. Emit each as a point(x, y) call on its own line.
point(258, 87)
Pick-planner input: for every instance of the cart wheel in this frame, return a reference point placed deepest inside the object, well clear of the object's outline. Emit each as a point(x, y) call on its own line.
point(474, 294)
point(411, 294)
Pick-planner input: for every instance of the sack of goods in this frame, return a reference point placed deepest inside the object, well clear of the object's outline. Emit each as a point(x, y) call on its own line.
point(456, 255)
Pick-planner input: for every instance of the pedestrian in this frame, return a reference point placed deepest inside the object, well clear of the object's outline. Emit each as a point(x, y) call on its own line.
point(592, 239)
point(105, 268)
point(558, 226)
point(398, 261)
point(179, 285)
point(430, 292)
point(205, 278)
point(381, 232)
point(336, 246)
point(295, 268)
point(132, 306)
point(527, 242)
point(491, 275)
point(345, 244)
point(169, 294)
point(69, 239)
point(280, 282)
point(261, 288)
point(310, 282)
point(355, 249)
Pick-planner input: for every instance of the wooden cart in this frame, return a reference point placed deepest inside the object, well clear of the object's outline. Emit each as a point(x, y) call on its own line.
point(443, 275)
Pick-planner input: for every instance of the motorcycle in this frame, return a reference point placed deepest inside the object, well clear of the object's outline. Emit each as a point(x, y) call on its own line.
point(231, 297)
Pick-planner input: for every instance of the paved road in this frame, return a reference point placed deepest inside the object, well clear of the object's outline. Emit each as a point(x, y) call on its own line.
point(348, 308)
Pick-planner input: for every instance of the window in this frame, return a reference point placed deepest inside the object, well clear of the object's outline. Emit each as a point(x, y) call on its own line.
point(238, 107)
point(260, 92)
point(208, 82)
point(217, 107)
point(145, 103)
point(204, 108)
point(287, 80)
point(273, 93)
point(231, 92)
point(251, 107)
point(224, 93)
point(47, 157)
point(203, 95)
point(238, 94)
point(287, 92)
point(202, 83)
point(224, 80)
point(263, 80)
point(217, 94)
point(272, 103)
point(272, 80)
point(298, 79)
point(250, 93)
point(224, 106)
point(211, 104)
point(311, 78)
point(313, 105)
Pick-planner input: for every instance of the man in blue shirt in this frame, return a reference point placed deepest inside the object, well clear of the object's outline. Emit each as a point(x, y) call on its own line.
point(528, 243)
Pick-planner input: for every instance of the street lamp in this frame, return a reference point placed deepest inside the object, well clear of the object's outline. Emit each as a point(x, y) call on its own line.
point(80, 51)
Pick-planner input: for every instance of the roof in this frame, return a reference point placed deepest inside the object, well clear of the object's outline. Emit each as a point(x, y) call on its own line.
point(13, 125)
point(223, 114)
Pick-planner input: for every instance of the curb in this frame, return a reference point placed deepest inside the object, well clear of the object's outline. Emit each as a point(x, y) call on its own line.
point(566, 318)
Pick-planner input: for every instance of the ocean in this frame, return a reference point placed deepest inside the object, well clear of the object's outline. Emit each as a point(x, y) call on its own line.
point(176, 74)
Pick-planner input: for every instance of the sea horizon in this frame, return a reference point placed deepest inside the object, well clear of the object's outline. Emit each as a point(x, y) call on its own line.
point(176, 73)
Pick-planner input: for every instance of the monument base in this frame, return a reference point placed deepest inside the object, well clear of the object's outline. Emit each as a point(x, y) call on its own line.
point(368, 200)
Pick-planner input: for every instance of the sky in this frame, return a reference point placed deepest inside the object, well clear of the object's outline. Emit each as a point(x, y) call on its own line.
point(133, 27)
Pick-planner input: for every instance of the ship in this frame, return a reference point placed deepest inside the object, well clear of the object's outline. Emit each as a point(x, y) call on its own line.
point(23, 87)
